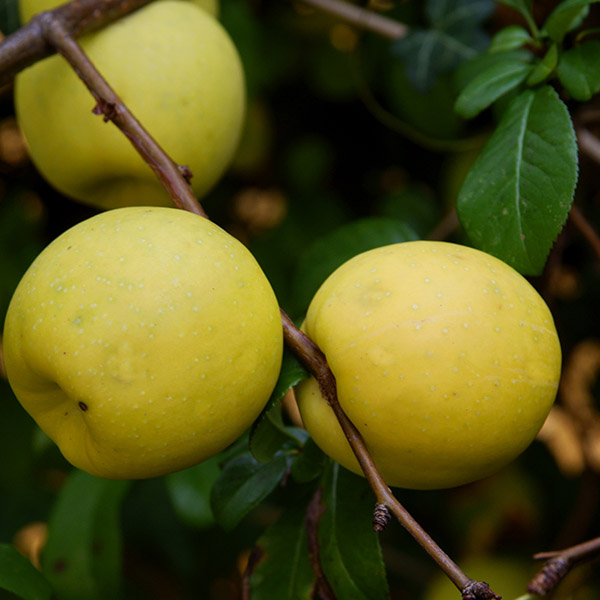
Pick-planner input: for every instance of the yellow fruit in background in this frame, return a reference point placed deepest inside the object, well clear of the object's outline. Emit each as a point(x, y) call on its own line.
point(446, 360)
point(507, 576)
point(143, 341)
point(175, 68)
point(28, 8)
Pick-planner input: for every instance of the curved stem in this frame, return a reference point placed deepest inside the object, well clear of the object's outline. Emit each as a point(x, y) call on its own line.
point(361, 17)
point(585, 228)
point(29, 44)
point(113, 109)
point(55, 33)
point(314, 360)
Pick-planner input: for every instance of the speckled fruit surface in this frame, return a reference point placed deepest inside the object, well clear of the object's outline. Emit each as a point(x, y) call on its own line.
point(446, 360)
point(143, 341)
point(175, 68)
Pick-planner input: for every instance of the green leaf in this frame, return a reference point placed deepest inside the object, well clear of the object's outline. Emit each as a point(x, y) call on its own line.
point(489, 85)
point(481, 63)
point(455, 36)
point(579, 70)
point(565, 17)
point(327, 253)
point(509, 38)
point(308, 463)
point(349, 548)
point(243, 484)
point(82, 559)
point(269, 434)
point(284, 572)
point(189, 491)
point(517, 196)
point(545, 67)
point(19, 576)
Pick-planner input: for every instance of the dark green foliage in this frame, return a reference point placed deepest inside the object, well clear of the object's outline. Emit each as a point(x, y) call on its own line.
point(517, 196)
point(82, 559)
point(19, 576)
point(358, 131)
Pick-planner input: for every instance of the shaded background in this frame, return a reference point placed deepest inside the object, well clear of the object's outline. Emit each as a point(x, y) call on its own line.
point(336, 137)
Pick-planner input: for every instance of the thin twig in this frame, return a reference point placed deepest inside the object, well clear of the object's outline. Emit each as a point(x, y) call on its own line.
point(113, 109)
point(314, 513)
point(28, 44)
point(588, 143)
point(559, 563)
point(585, 228)
point(361, 17)
point(314, 360)
point(52, 27)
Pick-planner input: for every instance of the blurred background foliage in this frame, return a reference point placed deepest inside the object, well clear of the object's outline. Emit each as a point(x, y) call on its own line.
point(342, 151)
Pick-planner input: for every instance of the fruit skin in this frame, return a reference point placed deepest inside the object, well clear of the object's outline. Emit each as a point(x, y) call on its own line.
point(175, 68)
point(446, 360)
point(143, 341)
point(28, 8)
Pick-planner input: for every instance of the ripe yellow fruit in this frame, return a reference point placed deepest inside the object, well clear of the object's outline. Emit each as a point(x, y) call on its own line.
point(507, 576)
point(28, 8)
point(446, 360)
point(142, 341)
point(175, 68)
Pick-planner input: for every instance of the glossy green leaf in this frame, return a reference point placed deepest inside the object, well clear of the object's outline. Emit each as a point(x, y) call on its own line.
point(455, 35)
point(565, 17)
point(82, 559)
point(483, 62)
point(489, 85)
point(269, 434)
point(517, 196)
point(545, 67)
point(327, 253)
point(243, 484)
point(509, 38)
point(189, 491)
point(349, 548)
point(284, 571)
point(20, 577)
point(579, 70)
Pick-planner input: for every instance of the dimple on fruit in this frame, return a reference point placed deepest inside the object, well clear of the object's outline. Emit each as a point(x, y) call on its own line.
point(446, 360)
point(143, 341)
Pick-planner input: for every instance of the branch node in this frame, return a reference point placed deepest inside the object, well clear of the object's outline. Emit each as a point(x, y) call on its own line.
point(107, 109)
point(478, 590)
point(185, 172)
point(549, 576)
point(381, 517)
